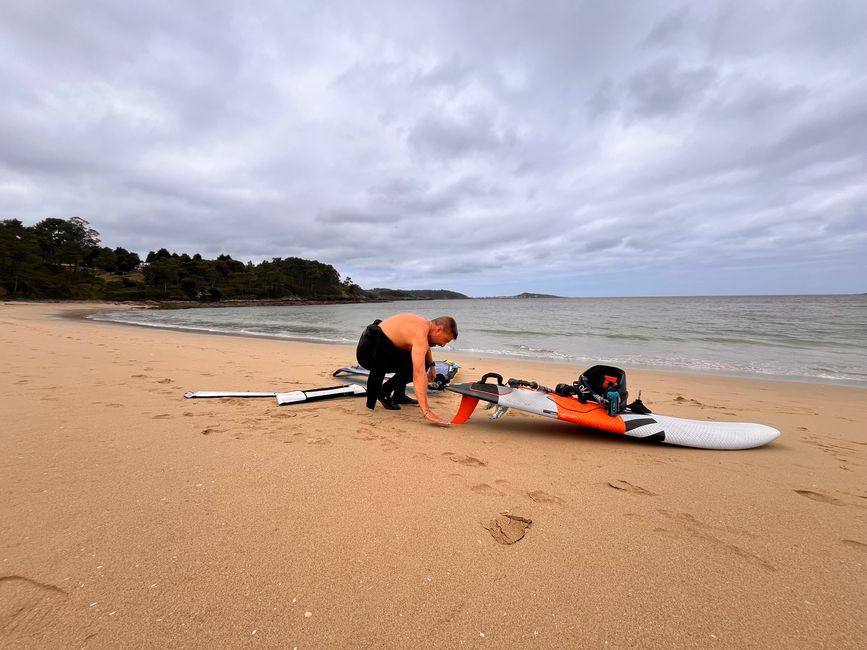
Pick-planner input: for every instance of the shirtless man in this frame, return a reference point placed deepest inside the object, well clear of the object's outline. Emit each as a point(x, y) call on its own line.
point(402, 344)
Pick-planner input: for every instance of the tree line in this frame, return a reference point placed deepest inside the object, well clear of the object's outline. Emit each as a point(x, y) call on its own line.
point(63, 259)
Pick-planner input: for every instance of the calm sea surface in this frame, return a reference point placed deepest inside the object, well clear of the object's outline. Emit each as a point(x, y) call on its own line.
point(806, 338)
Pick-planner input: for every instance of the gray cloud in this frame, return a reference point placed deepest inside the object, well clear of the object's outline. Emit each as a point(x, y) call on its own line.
point(662, 89)
point(441, 137)
point(669, 29)
point(482, 147)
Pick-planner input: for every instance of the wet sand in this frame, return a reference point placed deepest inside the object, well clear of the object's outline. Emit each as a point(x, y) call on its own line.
point(132, 517)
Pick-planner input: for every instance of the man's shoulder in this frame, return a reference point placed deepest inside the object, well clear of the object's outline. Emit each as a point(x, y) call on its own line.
point(405, 328)
point(406, 320)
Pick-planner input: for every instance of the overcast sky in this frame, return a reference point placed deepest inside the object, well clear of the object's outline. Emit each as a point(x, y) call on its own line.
point(488, 147)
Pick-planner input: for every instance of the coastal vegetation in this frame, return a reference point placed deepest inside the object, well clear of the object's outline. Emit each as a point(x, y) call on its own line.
point(64, 259)
point(414, 294)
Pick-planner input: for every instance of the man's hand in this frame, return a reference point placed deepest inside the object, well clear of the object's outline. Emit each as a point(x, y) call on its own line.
point(433, 417)
point(431, 374)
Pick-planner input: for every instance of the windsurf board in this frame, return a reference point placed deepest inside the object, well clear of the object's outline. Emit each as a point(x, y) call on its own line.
point(650, 427)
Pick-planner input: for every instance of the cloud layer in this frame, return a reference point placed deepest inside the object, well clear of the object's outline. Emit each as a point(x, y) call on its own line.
point(613, 148)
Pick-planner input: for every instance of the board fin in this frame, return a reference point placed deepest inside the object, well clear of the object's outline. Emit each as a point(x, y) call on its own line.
point(500, 412)
point(465, 410)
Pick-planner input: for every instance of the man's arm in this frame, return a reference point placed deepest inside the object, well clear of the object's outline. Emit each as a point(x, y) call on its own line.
point(420, 353)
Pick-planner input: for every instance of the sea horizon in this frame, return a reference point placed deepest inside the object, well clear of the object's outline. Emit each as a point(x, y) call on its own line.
point(811, 338)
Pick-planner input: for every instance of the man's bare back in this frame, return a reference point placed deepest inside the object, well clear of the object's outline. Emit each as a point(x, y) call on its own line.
point(416, 334)
point(406, 330)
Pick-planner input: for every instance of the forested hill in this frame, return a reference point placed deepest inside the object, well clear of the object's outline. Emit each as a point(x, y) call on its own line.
point(414, 294)
point(64, 259)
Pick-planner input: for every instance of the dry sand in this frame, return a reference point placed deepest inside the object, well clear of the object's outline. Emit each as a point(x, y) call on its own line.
point(132, 517)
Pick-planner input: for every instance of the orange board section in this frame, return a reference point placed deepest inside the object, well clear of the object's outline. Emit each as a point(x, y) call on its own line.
point(590, 415)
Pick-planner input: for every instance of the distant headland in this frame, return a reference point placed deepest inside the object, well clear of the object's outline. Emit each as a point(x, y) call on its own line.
point(530, 295)
point(63, 259)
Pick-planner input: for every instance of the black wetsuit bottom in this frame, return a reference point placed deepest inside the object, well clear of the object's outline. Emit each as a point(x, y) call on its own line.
point(379, 355)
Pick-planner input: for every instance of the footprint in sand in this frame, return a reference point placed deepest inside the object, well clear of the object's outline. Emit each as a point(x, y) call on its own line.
point(821, 498)
point(861, 546)
point(840, 452)
point(162, 416)
point(508, 528)
point(487, 490)
point(210, 430)
point(365, 434)
point(626, 486)
point(469, 461)
point(540, 496)
point(41, 586)
point(165, 381)
point(715, 536)
point(28, 607)
point(280, 436)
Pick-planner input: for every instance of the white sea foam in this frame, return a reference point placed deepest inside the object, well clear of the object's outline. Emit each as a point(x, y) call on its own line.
point(813, 338)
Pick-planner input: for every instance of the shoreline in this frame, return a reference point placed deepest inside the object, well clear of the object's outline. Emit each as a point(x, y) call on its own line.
point(133, 516)
point(84, 313)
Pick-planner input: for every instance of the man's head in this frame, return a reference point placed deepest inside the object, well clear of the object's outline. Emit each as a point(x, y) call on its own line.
point(443, 330)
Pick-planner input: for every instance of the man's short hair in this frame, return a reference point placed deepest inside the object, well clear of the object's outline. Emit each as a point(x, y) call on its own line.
point(448, 324)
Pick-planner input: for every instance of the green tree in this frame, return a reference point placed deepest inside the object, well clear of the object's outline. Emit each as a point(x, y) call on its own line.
point(102, 258)
point(65, 241)
point(160, 254)
point(126, 261)
point(56, 257)
point(163, 272)
point(20, 258)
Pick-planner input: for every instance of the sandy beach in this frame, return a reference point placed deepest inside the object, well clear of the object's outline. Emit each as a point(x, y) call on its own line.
point(133, 517)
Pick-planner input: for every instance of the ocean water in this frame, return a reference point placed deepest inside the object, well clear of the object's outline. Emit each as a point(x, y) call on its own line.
point(801, 338)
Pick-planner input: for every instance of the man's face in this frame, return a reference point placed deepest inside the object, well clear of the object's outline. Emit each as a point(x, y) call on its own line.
point(439, 336)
